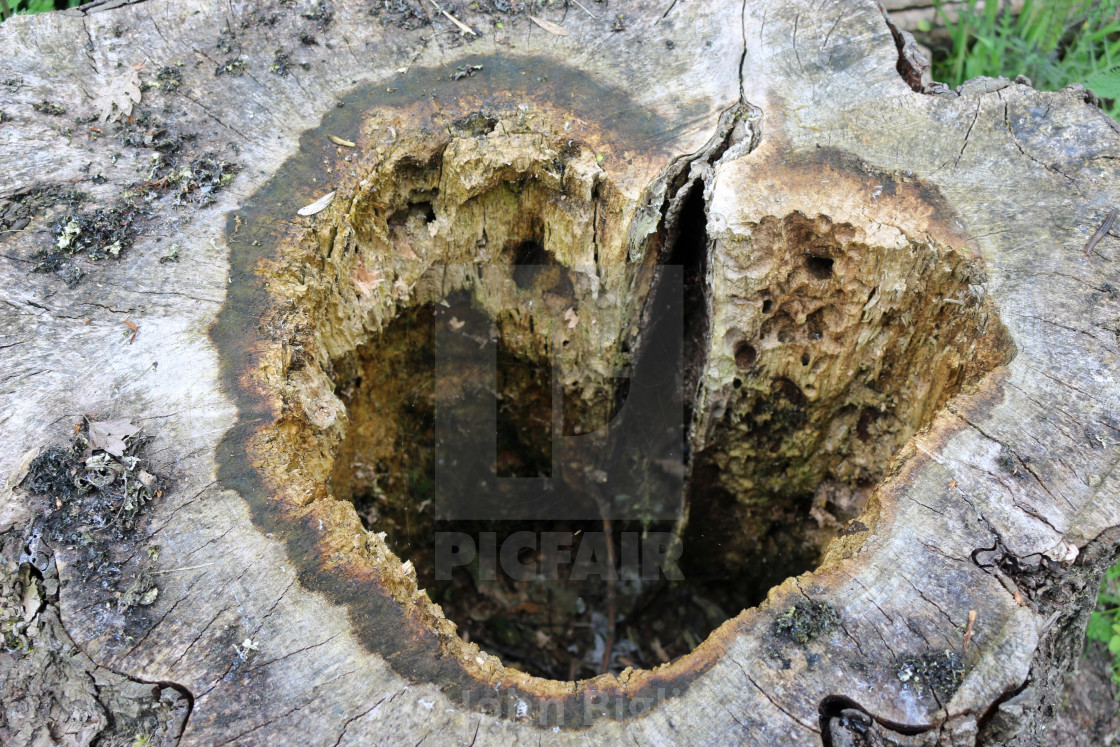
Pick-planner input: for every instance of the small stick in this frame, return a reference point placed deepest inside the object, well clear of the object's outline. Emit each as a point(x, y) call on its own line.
point(968, 629)
point(606, 665)
point(178, 570)
point(1105, 228)
point(462, 26)
point(577, 2)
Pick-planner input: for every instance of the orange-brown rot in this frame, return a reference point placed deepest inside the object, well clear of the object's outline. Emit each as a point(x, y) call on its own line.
point(278, 460)
point(275, 458)
point(854, 301)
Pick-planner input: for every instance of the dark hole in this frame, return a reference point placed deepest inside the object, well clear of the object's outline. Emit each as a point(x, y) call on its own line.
point(767, 306)
point(422, 210)
point(789, 390)
point(867, 416)
point(386, 467)
point(819, 267)
point(535, 268)
point(524, 422)
point(815, 324)
point(804, 359)
point(745, 355)
point(688, 247)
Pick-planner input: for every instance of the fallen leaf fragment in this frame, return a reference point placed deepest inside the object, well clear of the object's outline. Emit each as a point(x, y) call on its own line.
point(549, 26)
point(318, 206)
point(121, 92)
point(20, 472)
point(339, 141)
point(109, 435)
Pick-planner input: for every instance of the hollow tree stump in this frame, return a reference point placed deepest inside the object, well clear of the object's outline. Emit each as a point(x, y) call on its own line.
point(896, 305)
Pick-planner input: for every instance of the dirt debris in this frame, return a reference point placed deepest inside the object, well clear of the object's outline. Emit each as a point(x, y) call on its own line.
point(91, 498)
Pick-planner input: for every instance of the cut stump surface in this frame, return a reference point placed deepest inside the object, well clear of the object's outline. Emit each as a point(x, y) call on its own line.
point(897, 298)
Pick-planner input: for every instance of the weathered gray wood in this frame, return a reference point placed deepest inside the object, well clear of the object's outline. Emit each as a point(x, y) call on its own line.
point(1001, 501)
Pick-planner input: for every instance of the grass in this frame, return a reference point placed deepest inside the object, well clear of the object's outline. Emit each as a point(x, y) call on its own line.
point(15, 7)
point(1104, 622)
point(1052, 42)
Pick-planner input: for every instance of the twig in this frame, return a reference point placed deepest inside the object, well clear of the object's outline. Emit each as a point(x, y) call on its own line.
point(188, 568)
point(968, 629)
point(1105, 228)
point(577, 2)
point(462, 26)
point(606, 665)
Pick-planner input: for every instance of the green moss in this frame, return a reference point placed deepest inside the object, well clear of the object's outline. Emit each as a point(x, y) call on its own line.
point(940, 673)
point(55, 472)
point(98, 234)
point(805, 621)
point(169, 78)
point(321, 13)
point(232, 66)
point(50, 108)
point(98, 491)
point(280, 63)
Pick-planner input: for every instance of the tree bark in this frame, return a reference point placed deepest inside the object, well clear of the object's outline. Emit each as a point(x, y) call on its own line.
point(898, 304)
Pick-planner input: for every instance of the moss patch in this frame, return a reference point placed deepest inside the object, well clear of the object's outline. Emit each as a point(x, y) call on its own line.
point(805, 621)
point(938, 672)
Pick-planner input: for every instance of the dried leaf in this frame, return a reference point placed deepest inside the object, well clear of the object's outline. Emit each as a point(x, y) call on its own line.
point(121, 92)
point(339, 141)
point(318, 206)
point(69, 233)
point(32, 602)
point(19, 474)
point(109, 435)
point(549, 26)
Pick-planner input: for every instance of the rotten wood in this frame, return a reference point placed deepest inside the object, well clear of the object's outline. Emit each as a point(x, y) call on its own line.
point(896, 312)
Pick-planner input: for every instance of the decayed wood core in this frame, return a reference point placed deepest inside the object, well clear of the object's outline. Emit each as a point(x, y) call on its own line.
point(843, 350)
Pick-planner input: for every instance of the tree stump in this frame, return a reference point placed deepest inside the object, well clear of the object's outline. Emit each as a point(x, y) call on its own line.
point(901, 318)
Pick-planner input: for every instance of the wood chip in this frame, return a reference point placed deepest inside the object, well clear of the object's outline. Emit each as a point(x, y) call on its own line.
point(968, 630)
point(549, 26)
point(318, 206)
point(339, 141)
